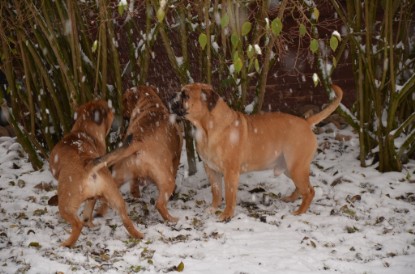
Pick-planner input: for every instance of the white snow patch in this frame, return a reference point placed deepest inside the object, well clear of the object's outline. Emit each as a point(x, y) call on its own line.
point(360, 221)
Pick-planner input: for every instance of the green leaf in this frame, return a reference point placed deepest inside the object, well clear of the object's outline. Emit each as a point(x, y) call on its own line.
point(334, 42)
point(316, 14)
point(251, 64)
point(276, 26)
point(136, 268)
point(246, 28)
point(235, 55)
point(351, 229)
point(303, 30)
point(224, 21)
point(121, 8)
point(40, 212)
point(257, 65)
point(237, 63)
point(35, 244)
point(147, 253)
point(94, 46)
point(234, 40)
point(250, 52)
point(180, 267)
point(314, 45)
point(160, 15)
point(203, 40)
point(334, 61)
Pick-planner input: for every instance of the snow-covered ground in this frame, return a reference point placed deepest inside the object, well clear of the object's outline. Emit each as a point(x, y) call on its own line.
point(360, 221)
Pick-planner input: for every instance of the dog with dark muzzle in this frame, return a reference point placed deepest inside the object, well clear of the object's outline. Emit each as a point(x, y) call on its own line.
point(231, 143)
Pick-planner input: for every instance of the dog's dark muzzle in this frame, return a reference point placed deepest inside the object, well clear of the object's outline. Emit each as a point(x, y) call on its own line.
point(177, 104)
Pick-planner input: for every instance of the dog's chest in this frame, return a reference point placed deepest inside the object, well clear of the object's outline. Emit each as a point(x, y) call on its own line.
point(211, 161)
point(207, 150)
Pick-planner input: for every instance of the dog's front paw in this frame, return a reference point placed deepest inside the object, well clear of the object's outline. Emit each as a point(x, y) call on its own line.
point(225, 217)
point(172, 219)
point(89, 223)
point(67, 244)
point(136, 234)
point(212, 210)
point(296, 213)
point(291, 198)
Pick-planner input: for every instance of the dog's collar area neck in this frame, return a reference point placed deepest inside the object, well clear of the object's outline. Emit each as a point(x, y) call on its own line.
point(86, 136)
point(96, 140)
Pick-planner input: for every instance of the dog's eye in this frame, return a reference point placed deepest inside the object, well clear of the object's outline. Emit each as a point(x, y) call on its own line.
point(184, 96)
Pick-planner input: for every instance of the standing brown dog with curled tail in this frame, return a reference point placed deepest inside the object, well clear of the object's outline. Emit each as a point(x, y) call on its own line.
point(81, 172)
point(231, 143)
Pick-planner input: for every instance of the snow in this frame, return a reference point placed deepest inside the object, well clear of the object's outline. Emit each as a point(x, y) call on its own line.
point(68, 27)
point(215, 45)
point(179, 60)
point(163, 4)
point(258, 49)
point(360, 221)
point(337, 34)
point(250, 107)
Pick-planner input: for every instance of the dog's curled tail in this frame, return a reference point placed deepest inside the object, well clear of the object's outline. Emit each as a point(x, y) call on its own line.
point(118, 154)
point(317, 118)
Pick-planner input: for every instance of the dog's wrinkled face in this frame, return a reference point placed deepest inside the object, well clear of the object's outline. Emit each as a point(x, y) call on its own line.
point(194, 101)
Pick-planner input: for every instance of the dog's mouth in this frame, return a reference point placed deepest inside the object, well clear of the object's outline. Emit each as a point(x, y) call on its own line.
point(176, 105)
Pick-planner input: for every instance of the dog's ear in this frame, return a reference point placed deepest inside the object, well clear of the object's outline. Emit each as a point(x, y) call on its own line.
point(210, 97)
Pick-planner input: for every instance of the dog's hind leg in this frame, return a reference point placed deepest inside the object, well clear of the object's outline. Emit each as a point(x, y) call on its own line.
point(135, 187)
point(301, 179)
point(298, 159)
point(88, 212)
point(113, 196)
point(69, 213)
point(102, 209)
point(165, 191)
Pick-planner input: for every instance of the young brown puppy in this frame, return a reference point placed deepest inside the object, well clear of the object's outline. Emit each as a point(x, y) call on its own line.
point(159, 140)
point(81, 173)
point(231, 143)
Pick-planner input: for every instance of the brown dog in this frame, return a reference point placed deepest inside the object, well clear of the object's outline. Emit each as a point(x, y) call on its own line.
point(231, 143)
point(160, 142)
point(81, 173)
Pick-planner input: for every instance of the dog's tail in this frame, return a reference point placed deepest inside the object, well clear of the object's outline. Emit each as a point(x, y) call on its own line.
point(317, 118)
point(128, 148)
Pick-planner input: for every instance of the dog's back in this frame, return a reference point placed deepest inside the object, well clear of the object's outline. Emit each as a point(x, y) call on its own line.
point(149, 118)
point(160, 143)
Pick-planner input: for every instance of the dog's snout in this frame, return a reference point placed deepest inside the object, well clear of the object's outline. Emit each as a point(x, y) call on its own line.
point(172, 98)
point(177, 105)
